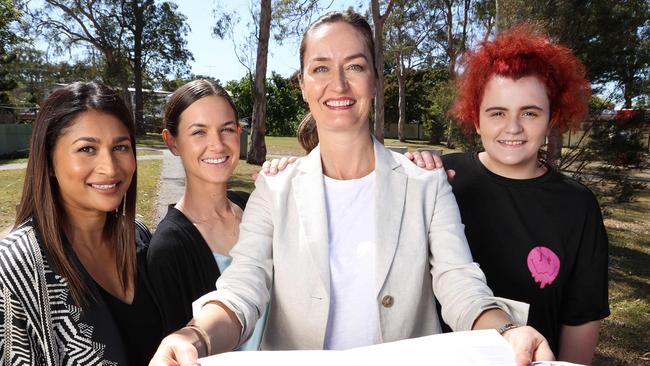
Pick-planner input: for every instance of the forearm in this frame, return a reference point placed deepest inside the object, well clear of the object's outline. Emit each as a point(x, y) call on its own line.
point(491, 319)
point(578, 343)
point(221, 326)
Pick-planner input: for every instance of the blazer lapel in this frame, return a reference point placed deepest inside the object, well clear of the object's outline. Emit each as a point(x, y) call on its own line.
point(389, 206)
point(309, 196)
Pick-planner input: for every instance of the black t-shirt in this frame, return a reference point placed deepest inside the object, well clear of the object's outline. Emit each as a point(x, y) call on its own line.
point(181, 266)
point(541, 241)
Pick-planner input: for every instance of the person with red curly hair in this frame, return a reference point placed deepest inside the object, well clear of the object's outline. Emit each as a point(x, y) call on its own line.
point(537, 234)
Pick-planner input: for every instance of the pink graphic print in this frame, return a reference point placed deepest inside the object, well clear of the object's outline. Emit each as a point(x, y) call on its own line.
point(544, 265)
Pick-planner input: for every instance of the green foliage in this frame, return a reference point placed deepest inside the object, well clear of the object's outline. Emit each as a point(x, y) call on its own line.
point(618, 146)
point(242, 94)
point(9, 15)
point(285, 105)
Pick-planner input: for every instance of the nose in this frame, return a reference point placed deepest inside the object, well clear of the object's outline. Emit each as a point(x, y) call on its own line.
point(215, 141)
point(514, 125)
point(341, 82)
point(106, 164)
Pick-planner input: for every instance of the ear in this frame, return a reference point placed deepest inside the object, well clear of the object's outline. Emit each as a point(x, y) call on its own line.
point(170, 141)
point(477, 127)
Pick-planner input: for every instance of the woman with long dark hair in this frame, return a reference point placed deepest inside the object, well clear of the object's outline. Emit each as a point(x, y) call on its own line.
point(71, 293)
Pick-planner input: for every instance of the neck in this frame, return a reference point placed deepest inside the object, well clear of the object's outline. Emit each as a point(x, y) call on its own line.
point(83, 229)
point(525, 170)
point(347, 156)
point(203, 201)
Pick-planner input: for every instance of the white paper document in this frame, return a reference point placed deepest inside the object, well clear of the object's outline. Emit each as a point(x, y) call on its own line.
point(476, 348)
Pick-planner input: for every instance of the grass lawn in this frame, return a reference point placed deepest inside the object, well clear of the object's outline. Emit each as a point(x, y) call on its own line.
point(11, 186)
point(625, 334)
point(148, 180)
point(150, 140)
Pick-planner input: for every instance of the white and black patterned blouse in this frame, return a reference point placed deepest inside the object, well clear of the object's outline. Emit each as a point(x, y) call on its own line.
point(39, 322)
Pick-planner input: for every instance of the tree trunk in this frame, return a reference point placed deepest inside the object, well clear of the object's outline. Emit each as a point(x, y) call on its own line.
point(401, 81)
point(378, 34)
point(257, 150)
point(554, 147)
point(138, 113)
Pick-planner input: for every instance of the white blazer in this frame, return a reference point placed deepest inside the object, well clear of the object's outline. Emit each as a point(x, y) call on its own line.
point(420, 251)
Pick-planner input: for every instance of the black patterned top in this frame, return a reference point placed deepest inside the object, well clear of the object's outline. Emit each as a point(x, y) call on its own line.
point(39, 322)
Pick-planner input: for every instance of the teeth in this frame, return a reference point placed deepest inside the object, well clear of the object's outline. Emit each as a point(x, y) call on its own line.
point(512, 142)
point(340, 103)
point(104, 186)
point(215, 161)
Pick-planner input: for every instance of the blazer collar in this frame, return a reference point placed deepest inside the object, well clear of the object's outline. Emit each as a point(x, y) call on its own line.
point(390, 196)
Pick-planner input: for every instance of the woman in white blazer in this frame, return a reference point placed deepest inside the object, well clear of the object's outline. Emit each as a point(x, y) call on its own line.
point(331, 242)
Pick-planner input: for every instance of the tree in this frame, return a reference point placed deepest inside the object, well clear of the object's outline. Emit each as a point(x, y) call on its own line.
point(409, 25)
point(9, 14)
point(286, 107)
point(257, 150)
point(378, 20)
point(136, 38)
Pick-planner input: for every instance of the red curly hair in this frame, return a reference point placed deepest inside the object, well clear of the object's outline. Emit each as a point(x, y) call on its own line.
point(523, 51)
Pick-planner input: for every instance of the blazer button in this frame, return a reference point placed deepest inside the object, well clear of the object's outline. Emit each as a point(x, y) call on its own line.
point(387, 301)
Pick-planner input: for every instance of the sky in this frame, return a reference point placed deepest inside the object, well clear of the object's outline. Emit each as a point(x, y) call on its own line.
point(215, 57)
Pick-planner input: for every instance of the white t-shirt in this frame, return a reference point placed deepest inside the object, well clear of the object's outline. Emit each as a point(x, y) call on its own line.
point(353, 315)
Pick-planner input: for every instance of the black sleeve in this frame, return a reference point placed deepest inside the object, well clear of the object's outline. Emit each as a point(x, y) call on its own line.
point(167, 275)
point(586, 294)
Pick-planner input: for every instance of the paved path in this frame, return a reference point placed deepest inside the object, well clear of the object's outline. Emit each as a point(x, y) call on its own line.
point(172, 183)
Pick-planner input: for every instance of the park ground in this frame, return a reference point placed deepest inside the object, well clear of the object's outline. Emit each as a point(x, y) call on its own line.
point(625, 334)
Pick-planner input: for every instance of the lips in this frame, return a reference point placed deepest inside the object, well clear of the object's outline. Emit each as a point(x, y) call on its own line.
point(105, 187)
point(215, 161)
point(513, 143)
point(340, 103)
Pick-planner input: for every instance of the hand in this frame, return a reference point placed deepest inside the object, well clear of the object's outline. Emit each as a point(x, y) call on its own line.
point(274, 166)
point(529, 345)
point(429, 161)
point(175, 350)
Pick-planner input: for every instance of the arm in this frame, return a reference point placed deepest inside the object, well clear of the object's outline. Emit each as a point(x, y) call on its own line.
point(186, 345)
point(578, 342)
point(460, 286)
point(228, 316)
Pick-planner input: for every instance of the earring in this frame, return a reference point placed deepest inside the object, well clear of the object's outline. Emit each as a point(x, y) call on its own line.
point(546, 140)
point(123, 206)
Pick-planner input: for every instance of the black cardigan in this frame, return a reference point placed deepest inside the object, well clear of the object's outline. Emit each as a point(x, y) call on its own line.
point(181, 265)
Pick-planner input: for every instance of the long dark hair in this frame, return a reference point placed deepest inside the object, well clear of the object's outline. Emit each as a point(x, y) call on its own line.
point(307, 131)
point(40, 199)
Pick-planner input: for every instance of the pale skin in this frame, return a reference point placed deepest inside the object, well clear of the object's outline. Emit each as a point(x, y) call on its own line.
point(208, 133)
point(93, 164)
point(338, 84)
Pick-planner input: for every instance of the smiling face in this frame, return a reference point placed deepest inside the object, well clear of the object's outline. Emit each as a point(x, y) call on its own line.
point(338, 79)
point(513, 124)
point(207, 140)
point(93, 163)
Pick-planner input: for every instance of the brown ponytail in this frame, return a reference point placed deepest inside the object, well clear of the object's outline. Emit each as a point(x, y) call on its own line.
point(308, 133)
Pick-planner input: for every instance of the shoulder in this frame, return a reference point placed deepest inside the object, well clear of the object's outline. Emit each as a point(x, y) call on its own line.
point(20, 242)
point(414, 172)
point(238, 197)
point(20, 254)
point(575, 191)
point(170, 237)
point(456, 160)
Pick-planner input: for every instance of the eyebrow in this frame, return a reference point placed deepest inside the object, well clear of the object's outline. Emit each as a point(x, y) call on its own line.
point(96, 141)
point(522, 108)
point(202, 125)
point(348, 58)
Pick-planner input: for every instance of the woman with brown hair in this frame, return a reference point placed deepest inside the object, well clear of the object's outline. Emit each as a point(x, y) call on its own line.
point(331, 242)
point(192, 243)
point(69, 290)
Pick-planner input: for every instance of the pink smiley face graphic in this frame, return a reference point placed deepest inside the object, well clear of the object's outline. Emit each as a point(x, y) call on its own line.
point(543, 265)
